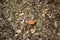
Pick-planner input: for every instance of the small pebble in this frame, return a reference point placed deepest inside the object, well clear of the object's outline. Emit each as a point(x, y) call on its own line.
point(16, 34)
point(9, 19)
point(21, 14)
point(22, 21)
point(32, 31)
point(18, 31)
point(10, 39)
point(55, 24)
point(40, 38)
point(27, 39)
point(59, 34)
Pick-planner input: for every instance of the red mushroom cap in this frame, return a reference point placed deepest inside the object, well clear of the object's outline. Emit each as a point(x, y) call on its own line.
point(31, 21)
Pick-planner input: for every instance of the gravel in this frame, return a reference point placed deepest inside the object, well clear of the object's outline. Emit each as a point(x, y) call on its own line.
point(15, 13)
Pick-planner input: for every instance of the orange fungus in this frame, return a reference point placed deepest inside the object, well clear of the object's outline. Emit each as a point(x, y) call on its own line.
point(31, 21)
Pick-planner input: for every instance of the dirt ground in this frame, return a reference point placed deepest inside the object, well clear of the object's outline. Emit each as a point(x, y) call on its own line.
point(15, 13)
